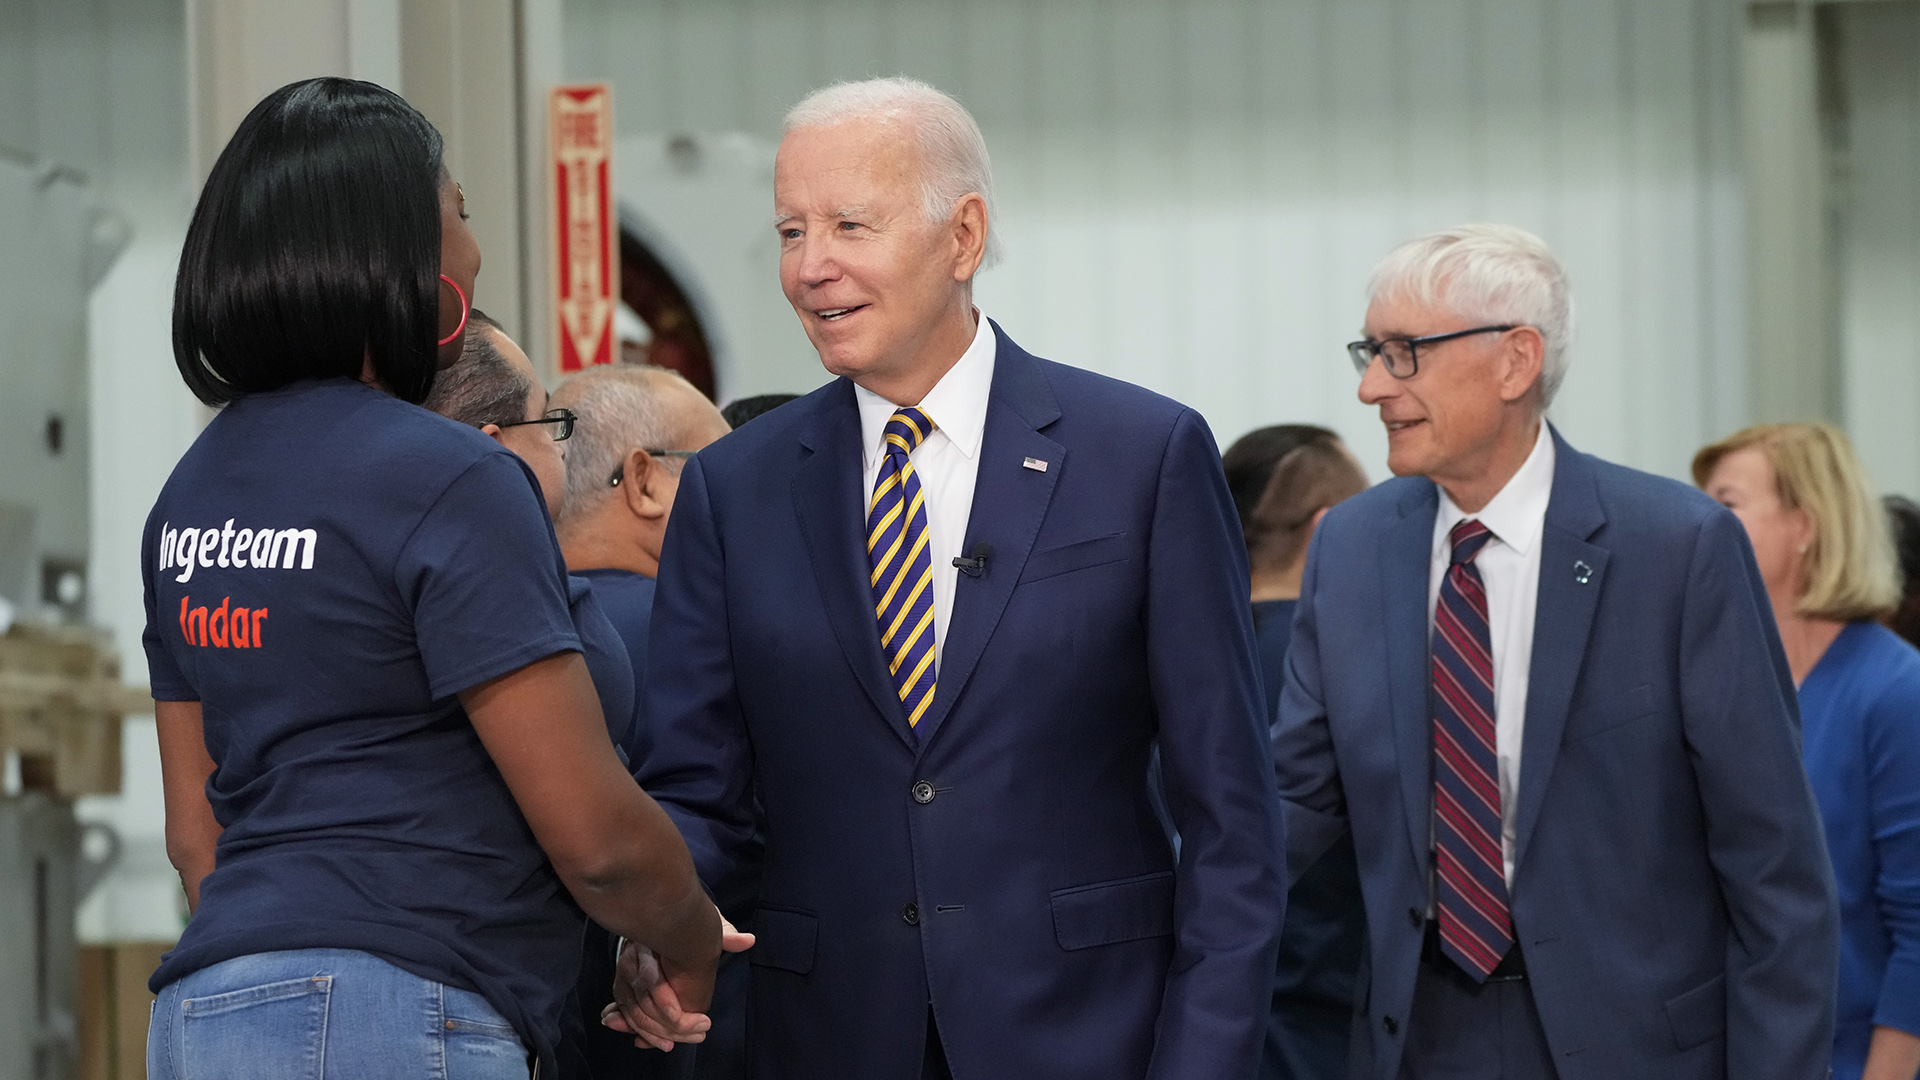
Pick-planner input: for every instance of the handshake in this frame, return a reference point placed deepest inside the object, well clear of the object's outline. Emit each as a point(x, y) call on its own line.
point(660, 1003)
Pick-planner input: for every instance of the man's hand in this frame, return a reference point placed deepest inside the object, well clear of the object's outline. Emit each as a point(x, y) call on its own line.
point(651, 1000)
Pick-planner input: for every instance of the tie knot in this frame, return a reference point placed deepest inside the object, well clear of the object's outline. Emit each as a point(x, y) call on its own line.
point(906, 429)
point(1467, 539)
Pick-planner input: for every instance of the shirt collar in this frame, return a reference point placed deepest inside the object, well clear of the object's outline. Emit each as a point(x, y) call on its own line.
point(1518, 514)
point(957, 404)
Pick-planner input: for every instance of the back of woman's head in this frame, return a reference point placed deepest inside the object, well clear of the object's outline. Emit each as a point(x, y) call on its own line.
point(315, 247)
point(1250, 461)
point(1314, 476)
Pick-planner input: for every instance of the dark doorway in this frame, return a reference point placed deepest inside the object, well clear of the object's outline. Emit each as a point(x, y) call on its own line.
point(680, 342)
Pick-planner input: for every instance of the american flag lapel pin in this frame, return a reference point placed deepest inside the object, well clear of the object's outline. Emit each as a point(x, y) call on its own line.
point(1033, 463)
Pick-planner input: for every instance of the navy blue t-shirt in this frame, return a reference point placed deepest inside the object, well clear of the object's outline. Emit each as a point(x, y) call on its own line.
point(614, 675)
point(627, 599)
point(325, 570)
point(1272, 633)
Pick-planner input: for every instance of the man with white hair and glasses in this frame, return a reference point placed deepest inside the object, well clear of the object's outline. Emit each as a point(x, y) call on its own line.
point(637, 427)
point(935, 616)
point(1545, 694)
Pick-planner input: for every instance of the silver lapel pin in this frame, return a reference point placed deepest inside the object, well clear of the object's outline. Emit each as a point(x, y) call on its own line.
point(1582, 573)
point(1034, 463)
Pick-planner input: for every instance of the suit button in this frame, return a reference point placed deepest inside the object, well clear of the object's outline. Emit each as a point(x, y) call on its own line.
point(1392, 1025)
point(1413, 916)
point(910, 914)
point(923, 793)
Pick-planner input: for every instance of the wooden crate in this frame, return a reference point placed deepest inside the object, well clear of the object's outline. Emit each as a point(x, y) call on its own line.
point(114, 1006)
point(61, 703)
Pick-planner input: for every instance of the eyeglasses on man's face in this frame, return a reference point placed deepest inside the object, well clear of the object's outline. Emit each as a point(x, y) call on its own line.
point(620, 470)
point(561, 419)
point(1402, 355)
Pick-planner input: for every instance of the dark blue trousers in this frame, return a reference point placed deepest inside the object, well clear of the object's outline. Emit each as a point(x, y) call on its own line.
point(1460, 1031)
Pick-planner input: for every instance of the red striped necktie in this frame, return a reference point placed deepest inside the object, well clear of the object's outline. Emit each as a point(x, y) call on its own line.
point(1476, 927)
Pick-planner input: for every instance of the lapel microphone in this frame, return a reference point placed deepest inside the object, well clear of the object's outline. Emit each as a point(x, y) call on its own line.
point(977, 565)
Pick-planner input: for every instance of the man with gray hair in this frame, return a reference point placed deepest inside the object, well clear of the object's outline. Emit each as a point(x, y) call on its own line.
point(936, 615)
point(636, 426)
point(1544, 694)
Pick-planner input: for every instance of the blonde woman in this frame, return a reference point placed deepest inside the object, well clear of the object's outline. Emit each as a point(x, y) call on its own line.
point(1822, 545)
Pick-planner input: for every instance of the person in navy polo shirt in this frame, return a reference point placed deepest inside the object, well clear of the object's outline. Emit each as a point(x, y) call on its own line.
point(390, 789)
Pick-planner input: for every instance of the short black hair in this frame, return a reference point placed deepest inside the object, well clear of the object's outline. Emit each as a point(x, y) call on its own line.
point(746, 408)
point(315, 246)
point(481, 387)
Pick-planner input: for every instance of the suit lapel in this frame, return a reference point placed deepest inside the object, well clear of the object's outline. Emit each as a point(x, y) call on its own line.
point(1572, 573)
point(826, 496)
point(1009, 503)
point(1406, 554)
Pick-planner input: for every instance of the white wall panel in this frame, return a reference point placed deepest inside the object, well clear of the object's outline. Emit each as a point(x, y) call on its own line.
point(1880, 239)
point(1192, 192)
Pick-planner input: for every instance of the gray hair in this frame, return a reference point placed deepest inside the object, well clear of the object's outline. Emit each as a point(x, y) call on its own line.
point(952, 150)
point(481, 387)
point(1487, 273)
point(619, 410)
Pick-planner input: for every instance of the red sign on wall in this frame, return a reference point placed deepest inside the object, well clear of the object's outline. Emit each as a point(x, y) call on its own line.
point(586, 268)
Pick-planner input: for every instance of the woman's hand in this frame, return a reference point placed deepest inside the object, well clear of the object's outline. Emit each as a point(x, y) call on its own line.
point(649, 996)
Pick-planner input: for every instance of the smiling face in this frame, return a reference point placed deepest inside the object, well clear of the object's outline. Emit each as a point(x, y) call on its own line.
point(883, 294)
point(1450, 420)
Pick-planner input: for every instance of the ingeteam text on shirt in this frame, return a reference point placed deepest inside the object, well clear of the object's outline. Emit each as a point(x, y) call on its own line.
point(228, 626)
point(220, 545)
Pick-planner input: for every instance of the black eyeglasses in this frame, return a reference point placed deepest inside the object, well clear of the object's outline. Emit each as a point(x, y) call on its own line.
point(562, 419)
point(621, 469)
point(1402, 355)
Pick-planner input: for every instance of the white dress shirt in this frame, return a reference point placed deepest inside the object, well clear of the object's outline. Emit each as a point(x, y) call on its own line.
point(1510, 567)
point(947, 461)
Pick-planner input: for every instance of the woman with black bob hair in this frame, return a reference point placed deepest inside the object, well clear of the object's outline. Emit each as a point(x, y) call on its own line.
point(389, 787)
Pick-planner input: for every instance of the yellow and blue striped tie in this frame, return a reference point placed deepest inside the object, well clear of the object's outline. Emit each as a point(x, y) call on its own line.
point(902, 565)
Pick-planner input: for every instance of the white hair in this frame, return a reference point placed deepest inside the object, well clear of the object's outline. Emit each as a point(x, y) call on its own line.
point(619, 409)
point(1488, 273)
point(952, 151)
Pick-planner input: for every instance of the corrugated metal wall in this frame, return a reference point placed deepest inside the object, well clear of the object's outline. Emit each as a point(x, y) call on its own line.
point(1192, 191)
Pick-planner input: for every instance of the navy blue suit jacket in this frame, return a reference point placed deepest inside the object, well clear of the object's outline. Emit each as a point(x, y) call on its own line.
point(1671, 892)
point(1030, 894)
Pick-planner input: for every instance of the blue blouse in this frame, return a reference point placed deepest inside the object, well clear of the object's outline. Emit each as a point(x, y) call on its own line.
point(1860, 717)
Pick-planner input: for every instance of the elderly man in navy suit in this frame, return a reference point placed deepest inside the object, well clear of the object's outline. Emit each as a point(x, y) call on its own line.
point(935, 616)
point(1546, 695)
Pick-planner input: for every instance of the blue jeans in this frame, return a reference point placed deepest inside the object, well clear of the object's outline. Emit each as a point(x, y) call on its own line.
point(326, 1014)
